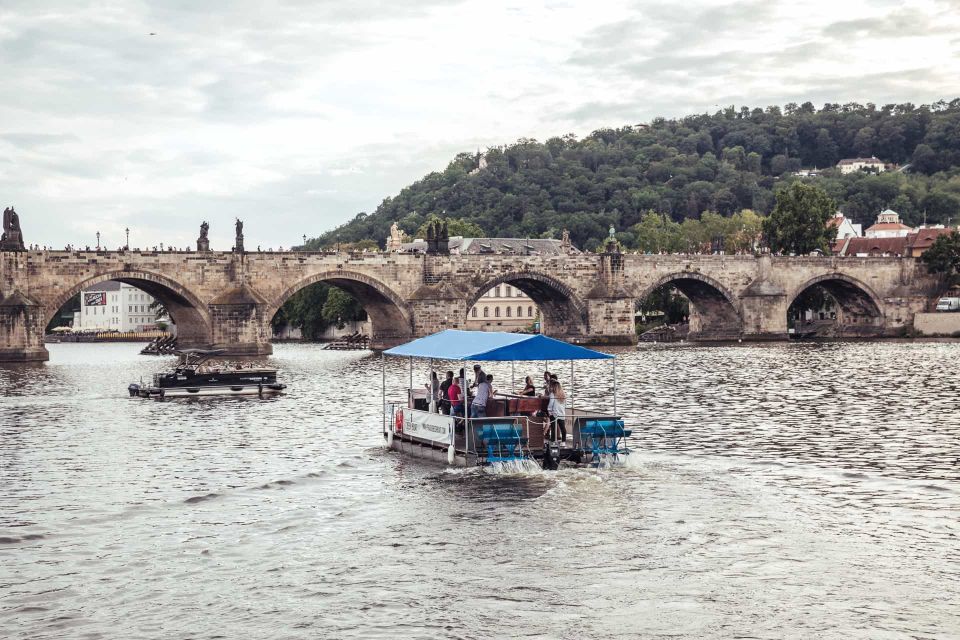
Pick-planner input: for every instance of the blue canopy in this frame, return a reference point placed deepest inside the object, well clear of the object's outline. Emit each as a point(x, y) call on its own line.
point(487, 345)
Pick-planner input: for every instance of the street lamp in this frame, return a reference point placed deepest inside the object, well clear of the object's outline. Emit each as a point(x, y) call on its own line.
point(127, 246)
point(304, 242)
point(98, 241)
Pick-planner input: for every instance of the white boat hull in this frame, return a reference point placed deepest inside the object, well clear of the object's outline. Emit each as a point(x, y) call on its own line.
point(205, 391)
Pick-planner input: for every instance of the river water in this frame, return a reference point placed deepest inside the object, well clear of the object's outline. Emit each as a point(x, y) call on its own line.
point(803, 490)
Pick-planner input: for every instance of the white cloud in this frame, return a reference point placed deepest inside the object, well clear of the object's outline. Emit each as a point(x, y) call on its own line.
point(296, 115)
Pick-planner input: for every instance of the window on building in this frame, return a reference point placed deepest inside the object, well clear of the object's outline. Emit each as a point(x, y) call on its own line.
point(508, 312)
point(519, 311)
point(496, 312)
point(497, 292)
point(530, 312)
point(486, 312)
point(474, 312)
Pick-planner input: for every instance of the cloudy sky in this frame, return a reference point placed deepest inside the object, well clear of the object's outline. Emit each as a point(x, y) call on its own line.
point(295, 115)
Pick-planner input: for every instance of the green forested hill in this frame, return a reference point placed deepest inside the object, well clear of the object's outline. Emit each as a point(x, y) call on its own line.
point(725, 162)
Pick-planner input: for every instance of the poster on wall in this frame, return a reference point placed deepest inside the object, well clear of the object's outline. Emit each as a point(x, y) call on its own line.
point(95, 298)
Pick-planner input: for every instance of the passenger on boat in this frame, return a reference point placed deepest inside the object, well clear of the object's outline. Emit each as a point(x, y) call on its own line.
point(528, 388)
point(444, 405)
point(456, 398)
point(478, 408)
point(546, 382)
point(557, 410)
point(479, 377)
point(433, 391)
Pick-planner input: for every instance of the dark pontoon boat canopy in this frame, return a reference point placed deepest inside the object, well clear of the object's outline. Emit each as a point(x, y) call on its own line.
point(453, 344)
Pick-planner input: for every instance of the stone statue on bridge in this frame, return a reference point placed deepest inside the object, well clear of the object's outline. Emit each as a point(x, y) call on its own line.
point(438, 238)
point(395, 241)
point(12, 238)
point(238, 243)
point(203, 242)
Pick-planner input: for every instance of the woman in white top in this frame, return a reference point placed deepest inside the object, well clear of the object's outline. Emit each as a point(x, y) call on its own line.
point(557, 409)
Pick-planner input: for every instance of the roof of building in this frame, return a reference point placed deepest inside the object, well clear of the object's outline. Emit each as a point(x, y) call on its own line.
point(924, 238)
point(109, 285)
point(873, 246)
point(888, 226)
point(871, 160)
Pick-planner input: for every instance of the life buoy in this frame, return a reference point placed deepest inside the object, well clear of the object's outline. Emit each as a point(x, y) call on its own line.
point(398, 422)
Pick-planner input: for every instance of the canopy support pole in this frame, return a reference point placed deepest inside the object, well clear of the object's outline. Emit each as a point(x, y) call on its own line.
point(410, 388)
point(570, 392)
point(614, 386)
point(383, 389)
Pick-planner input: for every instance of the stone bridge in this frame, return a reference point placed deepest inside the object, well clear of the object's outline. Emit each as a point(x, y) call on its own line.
point(227, 300)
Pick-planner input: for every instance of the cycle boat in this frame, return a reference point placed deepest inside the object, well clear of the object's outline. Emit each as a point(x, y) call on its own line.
point(514, 428)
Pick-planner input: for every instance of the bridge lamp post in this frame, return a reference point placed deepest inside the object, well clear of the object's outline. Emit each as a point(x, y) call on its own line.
point(127, 246)
point(98, 241)
point(304, 242)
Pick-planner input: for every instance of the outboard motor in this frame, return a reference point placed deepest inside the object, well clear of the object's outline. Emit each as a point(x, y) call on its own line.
point(134, 389)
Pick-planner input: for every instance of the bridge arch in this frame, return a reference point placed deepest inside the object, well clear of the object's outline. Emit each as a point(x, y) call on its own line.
point(860, 311)
point(715, 312)
point(185, 308)
point(390, 316)
point(563, 312)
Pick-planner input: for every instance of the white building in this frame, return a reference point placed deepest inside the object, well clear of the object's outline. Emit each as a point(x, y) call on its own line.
point(849, 165)
point(503, 308)
point(115, 306)
point(845, 228)
point(888, 226)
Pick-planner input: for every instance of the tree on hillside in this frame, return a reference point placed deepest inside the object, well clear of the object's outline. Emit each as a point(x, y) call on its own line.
point(798, 223)
point(943, 256)
point(455, 227)
point(725, 162)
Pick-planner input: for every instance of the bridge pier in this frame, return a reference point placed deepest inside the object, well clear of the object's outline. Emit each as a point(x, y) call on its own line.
point(610, 321)
point(238, 323)
point(764, 312)
point(21, 330)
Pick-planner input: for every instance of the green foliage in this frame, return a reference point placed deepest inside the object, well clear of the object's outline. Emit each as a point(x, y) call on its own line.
point(655, 233)
point(316, 307)
point(943, 256)
point(674, 305)
point(798, 223)
point(341, 307)
point(455, 227)
point(732, 160)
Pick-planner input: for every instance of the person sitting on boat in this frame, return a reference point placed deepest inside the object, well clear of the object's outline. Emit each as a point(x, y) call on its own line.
point(557, 410)
point(444, 406)
point(478, 408)
point(528, 388)
point(456, 398)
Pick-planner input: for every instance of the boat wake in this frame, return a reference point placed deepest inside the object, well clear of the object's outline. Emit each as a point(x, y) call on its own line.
point(523, 466)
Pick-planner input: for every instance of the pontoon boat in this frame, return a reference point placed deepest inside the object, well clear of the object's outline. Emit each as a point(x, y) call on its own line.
point(514, 428)
point(195, 375)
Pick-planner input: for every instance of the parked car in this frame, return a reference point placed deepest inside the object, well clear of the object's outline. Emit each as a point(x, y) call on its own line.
point(948, 304)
